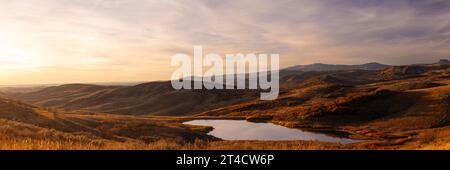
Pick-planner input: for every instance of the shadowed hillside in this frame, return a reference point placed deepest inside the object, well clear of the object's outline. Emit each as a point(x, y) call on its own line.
point(159, 98)
point(21, 123)
point(155, 98)
point(371, 104)
point(24, 127)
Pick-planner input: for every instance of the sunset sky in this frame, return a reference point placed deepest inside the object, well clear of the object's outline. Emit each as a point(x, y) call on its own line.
point(69, 41)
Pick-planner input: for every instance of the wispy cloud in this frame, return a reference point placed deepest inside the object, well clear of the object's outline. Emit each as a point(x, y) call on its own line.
point(135, 39)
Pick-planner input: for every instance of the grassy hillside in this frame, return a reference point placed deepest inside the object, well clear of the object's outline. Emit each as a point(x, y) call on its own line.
point(402, 107)
point(23, 127)
point(155, 98)
point(377, 107)
point(27, 127)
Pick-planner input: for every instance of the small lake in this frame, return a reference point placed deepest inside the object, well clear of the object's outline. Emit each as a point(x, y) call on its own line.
point(244, 130)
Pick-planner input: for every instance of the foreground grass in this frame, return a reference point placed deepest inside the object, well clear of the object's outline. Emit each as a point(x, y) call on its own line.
point(16, 135)
point(49, 144)
point(21, 136)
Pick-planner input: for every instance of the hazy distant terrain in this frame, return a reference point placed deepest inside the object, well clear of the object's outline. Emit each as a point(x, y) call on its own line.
point(330, 67)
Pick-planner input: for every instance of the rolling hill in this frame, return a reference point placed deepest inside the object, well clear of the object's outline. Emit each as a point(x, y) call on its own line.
point(394, 107)
point(23, 126)
point(159, 98)
point(154, 98)
point(396, 98)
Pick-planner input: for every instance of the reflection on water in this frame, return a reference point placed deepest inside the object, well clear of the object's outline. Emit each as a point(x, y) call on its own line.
point(244, 130)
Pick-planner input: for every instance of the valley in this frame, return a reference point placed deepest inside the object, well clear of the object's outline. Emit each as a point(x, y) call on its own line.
point(384, 107)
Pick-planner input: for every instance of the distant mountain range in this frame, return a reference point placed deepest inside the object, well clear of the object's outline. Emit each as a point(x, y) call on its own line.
point(332, 67)
point(341, 67)
point(443, 61)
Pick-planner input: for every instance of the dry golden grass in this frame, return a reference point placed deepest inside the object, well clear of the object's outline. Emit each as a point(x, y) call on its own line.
point(75, 144)
point(407, 113)
point(15, 135)
point(434, 139)
point(22, 136)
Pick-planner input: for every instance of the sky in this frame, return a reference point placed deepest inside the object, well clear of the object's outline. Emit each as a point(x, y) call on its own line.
point(76, 41)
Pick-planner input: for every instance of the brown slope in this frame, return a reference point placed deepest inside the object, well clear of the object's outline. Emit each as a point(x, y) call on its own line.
point(158, 98)
point(412, 99)
point(155, 98)
point(19, 112)
point(14, 110)
point(26, 127)
point(60, 95)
